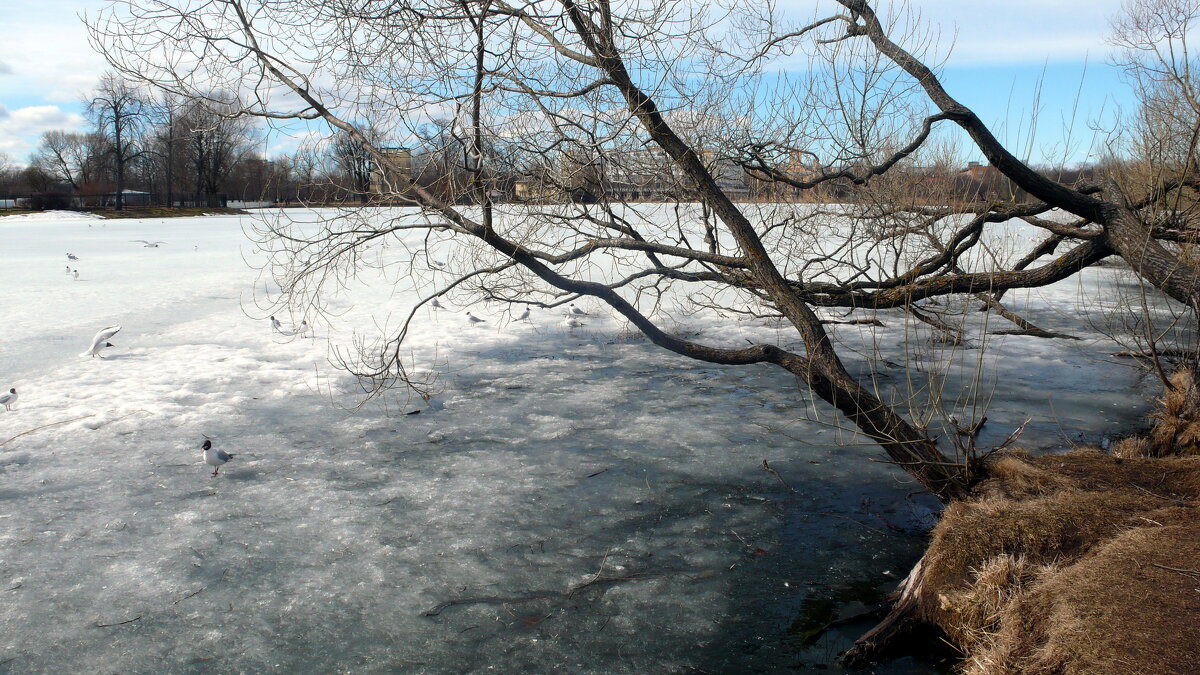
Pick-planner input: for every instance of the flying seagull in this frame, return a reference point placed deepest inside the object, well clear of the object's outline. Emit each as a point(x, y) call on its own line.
point(72, 256)
point(474, 319)
point(147, 244)
point(101, 341)
point(8, 399)
point(578, 312)
point(215, 458)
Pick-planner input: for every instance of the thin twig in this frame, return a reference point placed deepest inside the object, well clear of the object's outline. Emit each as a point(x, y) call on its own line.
point(1176, 569)
point(121, 623)
point(52, 424)
point(767, 467)
point(856, 522)
point(189, 595)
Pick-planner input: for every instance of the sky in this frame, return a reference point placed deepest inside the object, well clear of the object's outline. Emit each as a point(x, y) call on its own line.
point(1004, 53)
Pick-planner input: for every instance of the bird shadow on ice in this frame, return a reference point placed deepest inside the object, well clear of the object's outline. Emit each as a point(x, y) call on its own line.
point(123, 357)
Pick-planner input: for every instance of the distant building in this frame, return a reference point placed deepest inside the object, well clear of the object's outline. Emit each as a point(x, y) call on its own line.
point(383, 180)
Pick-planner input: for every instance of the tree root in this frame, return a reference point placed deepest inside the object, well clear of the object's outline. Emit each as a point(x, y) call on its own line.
point(884, 638)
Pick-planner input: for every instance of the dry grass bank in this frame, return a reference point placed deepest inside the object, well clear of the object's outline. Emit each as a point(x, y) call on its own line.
point(1080, 563)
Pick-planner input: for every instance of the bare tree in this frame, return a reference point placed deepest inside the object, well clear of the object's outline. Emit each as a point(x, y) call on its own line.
point(75, 160)
point(119, 110)
point(215, 137)
point(353, 160)
point(591, 93)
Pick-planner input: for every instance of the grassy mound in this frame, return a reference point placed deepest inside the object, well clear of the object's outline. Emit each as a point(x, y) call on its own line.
point(1077, 563)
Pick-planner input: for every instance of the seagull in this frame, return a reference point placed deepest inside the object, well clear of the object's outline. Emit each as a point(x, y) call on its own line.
point(524, 315)
point(578, 312)
point(68, 269)
point(215, 458)
point(72, 256)
point(147, 244)
point(435, 304)
point(276, 325)
point(302, 329)
point(474, 319)
point(438, 264)
point(75, 274)
point(572, 323)
point(8, 399)
point(101, 341)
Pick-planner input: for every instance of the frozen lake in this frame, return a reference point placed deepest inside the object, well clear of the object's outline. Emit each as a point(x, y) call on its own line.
point(582, 501)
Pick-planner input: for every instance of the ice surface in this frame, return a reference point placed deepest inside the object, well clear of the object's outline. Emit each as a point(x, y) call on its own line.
point(573, 501)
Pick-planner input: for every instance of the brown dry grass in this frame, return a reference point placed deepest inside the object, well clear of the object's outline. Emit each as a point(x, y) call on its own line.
point(1052, 567)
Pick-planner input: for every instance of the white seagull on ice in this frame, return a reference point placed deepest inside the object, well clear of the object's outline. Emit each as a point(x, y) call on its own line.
point(572, 323)
point(147, 244)
point(101, 341)
point(276, 325)
point(474, 319)
point(75, 275)
point(435, 304)
point(578, 312)
point(8, 399)
point(524, 315)
point(215, 458)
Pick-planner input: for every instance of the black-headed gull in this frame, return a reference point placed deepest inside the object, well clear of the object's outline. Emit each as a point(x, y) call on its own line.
point(578, 312)
point(572, 323)
point(215, 458)
point(8, 399)
point(101, 341)
point(474, 319)
point(68, 269)
point(75, 275)
point(72, 256)
point(278, 327)
point(302, 329)
point(435, 304)
point(147, 244)
point(524, 315)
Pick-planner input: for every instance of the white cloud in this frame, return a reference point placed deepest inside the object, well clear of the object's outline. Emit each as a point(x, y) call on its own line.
point(21, 128)
point(5, 69)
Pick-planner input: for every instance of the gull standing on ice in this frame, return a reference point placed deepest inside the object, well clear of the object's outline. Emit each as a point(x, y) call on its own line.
point(302, 329)
point(278, 328)
point(474, 319)
point(524, 316)
point(68, 269)
point(147, 244)
point(435, 304)
point(572, 323)
point(215, 458)
point(578, 312)
point(8, 399)
point(75, 275)
point(101, 341)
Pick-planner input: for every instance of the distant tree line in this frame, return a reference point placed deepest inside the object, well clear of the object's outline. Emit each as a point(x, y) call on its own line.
point(170, 150)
